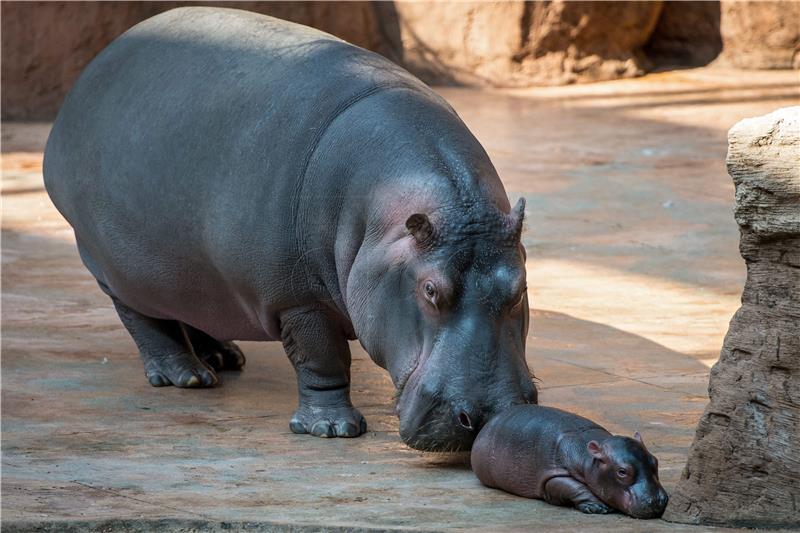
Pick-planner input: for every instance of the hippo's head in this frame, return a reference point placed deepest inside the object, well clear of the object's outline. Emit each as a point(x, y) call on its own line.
point(625, 476)
point(447, 315)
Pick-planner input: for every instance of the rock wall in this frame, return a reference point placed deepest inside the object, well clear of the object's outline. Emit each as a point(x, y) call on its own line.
point(687, 34)
point(567, 42)
point(744, 464)
point(760, 35)
point(45, 45)
point(520, 43)
point(453, 42)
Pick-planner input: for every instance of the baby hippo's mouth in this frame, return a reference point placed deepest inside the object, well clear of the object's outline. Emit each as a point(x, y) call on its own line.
point(650, 506)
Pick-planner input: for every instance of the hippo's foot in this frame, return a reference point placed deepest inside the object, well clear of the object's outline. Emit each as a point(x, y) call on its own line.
point(565, 490)
point(594, 508)
point(219, 355)
point(181, 369)
point(184, 368)
point(163, 347)
point(328, 422)
point(318, 350)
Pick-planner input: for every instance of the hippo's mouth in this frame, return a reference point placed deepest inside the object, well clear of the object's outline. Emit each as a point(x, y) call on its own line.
point(400, 387)
point(645, 508)
point(646, 514)
point(426, 421)
point(402, 382)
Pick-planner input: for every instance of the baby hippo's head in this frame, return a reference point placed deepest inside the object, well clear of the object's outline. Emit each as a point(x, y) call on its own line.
point(625, 476)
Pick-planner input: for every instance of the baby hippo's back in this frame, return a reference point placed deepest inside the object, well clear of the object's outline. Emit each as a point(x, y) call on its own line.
point(520, 449)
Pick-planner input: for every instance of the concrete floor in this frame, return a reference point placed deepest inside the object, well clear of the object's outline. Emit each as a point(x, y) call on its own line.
point(634, 274)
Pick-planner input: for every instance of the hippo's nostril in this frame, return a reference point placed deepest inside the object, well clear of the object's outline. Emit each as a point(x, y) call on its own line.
point(465, 421)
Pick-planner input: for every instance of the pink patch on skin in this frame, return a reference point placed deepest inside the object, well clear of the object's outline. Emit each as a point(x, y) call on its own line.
point(626, 501)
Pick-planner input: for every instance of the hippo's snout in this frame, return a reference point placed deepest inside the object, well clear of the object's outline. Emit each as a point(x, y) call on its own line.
point(432, 420)
point(430, 423)
point(650, 506)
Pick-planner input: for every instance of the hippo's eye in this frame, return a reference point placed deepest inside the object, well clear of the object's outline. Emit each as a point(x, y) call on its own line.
point(430, 291)
point(622, 472)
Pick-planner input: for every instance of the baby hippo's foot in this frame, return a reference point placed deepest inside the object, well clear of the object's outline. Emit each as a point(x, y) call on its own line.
point(180, 369)
point(594, 508)
point(328, 421)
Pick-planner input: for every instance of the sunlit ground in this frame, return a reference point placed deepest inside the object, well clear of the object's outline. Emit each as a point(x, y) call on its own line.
point(633, 273)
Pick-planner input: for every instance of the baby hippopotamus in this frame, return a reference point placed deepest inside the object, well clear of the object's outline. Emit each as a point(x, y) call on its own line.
point(565, 459)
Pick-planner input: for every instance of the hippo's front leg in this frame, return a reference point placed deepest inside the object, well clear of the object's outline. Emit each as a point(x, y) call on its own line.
point(569, 491)
point(317, 347)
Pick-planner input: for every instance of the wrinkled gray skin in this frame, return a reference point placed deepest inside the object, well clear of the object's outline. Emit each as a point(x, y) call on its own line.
point(234, 176)
point(565, 459)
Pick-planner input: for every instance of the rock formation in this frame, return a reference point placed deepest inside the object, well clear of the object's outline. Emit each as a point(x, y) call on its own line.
point(515, 43)
point(45, 45)
point(744, 464)
point(760, 35)
point(687, 34)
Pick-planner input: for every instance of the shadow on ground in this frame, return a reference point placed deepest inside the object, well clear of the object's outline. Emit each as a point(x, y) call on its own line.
point(85, 437)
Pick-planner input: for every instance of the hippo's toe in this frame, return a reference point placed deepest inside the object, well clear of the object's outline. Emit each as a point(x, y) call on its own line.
point(328, 422)
point(220, 355)
point(594, 508)
point(180, 369)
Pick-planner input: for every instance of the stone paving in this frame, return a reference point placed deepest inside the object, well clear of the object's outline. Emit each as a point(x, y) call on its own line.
point(633, 274)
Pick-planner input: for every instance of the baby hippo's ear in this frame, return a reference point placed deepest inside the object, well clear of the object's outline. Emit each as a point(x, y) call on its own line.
point(596, 451)
point(517, 217)
point(638, 436)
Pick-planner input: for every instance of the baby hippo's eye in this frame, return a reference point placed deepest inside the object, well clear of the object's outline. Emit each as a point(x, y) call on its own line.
point(430, 291)
point(625, 474)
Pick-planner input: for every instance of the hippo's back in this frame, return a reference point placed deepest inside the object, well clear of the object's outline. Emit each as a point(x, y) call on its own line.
point(179, 156)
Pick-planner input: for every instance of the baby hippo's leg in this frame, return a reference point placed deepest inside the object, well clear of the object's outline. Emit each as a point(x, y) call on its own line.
point(570, 491)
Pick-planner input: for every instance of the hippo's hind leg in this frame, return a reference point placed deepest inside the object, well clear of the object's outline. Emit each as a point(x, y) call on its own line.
point(163, 344)
point(564, 490)
point(318, 350)
point(218, 355)
point(165, 350)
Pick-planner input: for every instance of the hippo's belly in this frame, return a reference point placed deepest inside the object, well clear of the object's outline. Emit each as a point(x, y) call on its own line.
point(179, 158)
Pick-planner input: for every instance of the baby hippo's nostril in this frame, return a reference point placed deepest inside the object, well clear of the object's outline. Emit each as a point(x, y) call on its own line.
point(663, 499)
point(465, 420)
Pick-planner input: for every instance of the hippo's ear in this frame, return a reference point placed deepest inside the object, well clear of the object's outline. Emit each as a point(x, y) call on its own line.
point(517, 216)
point(596, 451)
point(638, 436)
point(420, 227)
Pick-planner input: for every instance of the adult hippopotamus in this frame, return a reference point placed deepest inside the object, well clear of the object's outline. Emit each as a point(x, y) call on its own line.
point(231, 176)
point(565, 459)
